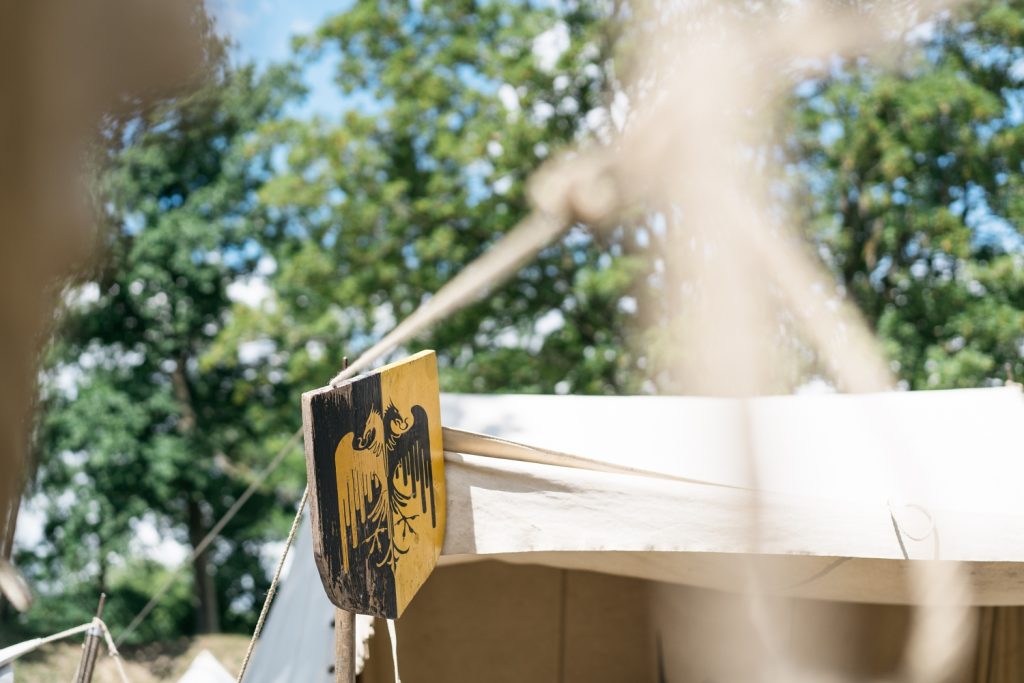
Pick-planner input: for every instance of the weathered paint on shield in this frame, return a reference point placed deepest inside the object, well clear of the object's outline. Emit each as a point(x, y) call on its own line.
point(375, 463)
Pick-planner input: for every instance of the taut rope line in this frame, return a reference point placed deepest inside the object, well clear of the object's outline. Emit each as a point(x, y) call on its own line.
point(475, 281)
point(553, 214)
point(211, 534)
point(508, 255)
point(9, 654)
point(273, 585)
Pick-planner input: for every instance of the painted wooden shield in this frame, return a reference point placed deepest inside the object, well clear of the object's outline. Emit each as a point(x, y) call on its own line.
point(376, 469)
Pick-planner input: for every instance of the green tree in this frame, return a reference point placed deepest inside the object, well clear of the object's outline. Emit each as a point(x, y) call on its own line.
point(452, 106)
point(134, 431)
point(913, 188)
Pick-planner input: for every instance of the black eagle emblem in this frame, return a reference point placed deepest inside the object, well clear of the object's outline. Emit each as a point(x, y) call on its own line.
point(386, 491)
point(375, 461)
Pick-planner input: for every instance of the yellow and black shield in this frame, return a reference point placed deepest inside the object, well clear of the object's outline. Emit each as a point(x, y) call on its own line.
point(375, 463)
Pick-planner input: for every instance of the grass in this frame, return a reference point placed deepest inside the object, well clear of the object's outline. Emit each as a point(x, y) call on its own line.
point(154, 663)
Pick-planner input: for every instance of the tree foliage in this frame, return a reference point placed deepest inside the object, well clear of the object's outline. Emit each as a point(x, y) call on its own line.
point(164, 394)
point(136, 432)
point(913, 184)
point(454, 106)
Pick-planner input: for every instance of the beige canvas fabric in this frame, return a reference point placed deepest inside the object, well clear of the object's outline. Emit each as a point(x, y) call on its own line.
point(999, 656)
point(553, 573)
point(849, 488)
point(495, 622)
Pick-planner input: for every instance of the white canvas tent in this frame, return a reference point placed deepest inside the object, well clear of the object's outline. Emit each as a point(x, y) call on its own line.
point(206, 669)
point(609, 577)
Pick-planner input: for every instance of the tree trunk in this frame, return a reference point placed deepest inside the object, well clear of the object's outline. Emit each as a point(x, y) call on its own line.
point(207, 614)
point(187, 424)
point(203, 587)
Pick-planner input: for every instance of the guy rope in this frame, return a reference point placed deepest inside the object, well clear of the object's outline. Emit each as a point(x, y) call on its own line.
point(562, 193)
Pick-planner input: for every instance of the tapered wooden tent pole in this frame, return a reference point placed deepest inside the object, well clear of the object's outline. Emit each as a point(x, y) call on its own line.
point(91, 647)
point(344, 632)
point(344, 646)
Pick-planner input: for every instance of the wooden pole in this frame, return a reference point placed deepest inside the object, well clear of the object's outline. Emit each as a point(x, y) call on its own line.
point(91, 646)
point(344, 631)
point(344, 646)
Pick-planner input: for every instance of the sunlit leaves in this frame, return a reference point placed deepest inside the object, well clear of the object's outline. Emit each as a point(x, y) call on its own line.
point(917, 186)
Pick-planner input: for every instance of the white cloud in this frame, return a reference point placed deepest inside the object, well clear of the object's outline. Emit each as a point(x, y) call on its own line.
point(542, 111)
point(251, 352)
point(66, 380)
point(231, 16)
point(31, 519)
point(270, 555)
point(157, 301)
point(1017, 70)
point(508, 338)
point(550, 322)
point(922, 33)
point(384, 319)
point(251, 291)
point(149, 541)
point(80, 297)
point(550, 45)
point(509, 98)
point(627, 304)
point(316, 349)
point(480, 168)
point(568, 105)
point(301, 25)
point(503, 184)
point(266, 266)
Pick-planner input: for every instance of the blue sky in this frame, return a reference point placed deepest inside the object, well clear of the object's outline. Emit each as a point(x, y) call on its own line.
point(262, 31)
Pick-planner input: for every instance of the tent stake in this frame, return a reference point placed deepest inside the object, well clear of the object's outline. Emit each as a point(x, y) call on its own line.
point(344, 646)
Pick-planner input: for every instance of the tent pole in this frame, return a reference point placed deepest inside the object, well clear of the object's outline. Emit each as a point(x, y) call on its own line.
point(91, 647)
point(344, 646)
point(344, 631)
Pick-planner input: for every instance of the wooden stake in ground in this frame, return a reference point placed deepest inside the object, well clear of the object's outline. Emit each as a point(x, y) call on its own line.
point(91, 646)
point(344, 646)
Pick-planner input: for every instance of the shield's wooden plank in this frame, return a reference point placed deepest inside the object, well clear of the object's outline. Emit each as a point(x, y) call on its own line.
point(375, 463)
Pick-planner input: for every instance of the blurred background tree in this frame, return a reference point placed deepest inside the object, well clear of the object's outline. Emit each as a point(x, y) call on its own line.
point(247, 251)
point(912, 188)
point(454, 105)
point(132, 432)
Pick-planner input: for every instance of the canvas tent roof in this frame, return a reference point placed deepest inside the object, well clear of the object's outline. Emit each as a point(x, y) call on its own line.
point(297, 643)
point(866, 477)
point(845, 489)
point(206, 669)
